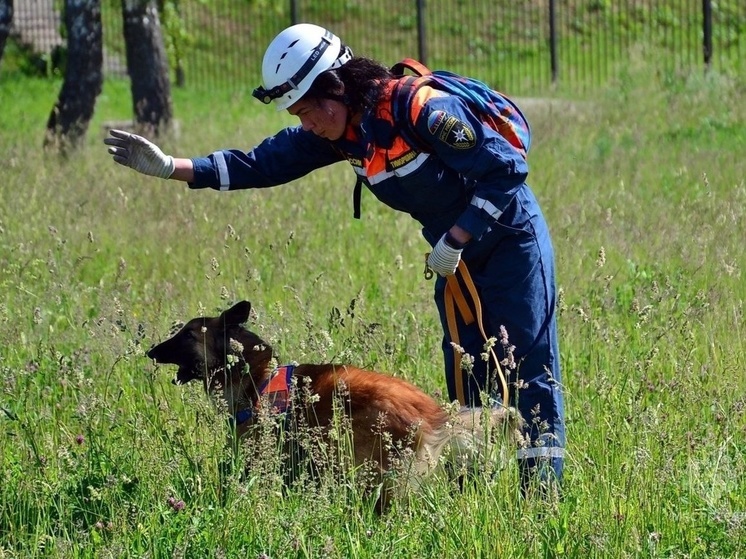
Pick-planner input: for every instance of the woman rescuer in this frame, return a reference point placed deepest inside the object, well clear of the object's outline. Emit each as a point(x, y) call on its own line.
point(431, 151)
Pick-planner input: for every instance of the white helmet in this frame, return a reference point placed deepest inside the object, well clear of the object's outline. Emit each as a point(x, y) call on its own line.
point(294, 59)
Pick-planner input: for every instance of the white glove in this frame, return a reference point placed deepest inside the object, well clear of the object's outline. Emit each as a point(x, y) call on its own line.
point(444, 259)
point(140, 154)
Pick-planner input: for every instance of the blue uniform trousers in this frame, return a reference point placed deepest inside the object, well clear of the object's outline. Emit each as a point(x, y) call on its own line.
point(513, 271)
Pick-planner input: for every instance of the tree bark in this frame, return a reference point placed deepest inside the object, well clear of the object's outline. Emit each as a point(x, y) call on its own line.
point(6, 19)
point(147, 66)
point(68, 122)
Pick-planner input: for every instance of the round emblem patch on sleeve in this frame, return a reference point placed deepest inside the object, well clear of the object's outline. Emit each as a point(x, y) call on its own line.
point(451, 130)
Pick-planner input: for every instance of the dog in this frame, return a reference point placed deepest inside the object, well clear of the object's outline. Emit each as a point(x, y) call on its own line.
point(392, 421)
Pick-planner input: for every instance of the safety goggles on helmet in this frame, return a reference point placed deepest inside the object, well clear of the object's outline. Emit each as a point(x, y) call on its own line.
point(306, 50)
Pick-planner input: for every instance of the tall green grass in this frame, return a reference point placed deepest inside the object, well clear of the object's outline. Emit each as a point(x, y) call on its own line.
point(644, 187)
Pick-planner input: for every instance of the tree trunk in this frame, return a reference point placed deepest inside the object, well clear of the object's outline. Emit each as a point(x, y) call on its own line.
point(6, 18)
point(68, 123)
point(147, 67)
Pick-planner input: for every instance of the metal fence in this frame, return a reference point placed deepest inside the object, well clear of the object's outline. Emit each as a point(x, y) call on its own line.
point(523, 47)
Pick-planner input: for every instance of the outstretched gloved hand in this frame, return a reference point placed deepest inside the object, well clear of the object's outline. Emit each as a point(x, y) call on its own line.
point(140, 154)
point(444, 259)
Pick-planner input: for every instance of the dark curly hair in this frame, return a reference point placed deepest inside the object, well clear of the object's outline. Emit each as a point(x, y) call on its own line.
point(358, 84)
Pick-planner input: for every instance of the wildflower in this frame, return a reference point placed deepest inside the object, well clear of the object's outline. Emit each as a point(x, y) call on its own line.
point(342, 389)
point(254, 275)
point(80, 439)
point(635, 305)
point(503, 332)
point(327, 341)
point(235, 346)
point(467, 362)
point(582, 314)
point(488, 345)
point(601, 260)
point(508, 350)
point(175, 504)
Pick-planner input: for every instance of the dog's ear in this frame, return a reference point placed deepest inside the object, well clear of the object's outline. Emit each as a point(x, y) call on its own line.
point(237, 314)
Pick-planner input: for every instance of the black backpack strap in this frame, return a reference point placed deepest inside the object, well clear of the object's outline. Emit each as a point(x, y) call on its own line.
point(356, 197)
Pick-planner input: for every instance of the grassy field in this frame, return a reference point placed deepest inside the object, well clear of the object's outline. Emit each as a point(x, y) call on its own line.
point(644, 187)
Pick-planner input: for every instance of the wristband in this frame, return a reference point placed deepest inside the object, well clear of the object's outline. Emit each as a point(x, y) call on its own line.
point(453, 243)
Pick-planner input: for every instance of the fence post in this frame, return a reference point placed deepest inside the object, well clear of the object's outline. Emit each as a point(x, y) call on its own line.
point(554, 60)
point(421, 40)
point(293, 12)
point(707, 32)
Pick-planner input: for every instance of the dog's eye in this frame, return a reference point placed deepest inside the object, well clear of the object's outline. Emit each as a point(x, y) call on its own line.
point(198, 334)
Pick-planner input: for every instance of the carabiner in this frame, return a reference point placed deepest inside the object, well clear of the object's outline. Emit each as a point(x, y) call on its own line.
point(428, 272)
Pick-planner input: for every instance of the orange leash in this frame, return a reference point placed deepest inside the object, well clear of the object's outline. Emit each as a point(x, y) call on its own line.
point(455, 298)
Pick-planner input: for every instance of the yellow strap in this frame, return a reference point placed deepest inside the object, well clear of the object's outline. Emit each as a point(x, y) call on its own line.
point(454, 296)
point(453, 289)
point(453, 330)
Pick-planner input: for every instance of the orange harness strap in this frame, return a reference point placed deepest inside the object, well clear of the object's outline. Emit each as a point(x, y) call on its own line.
point(276, 389)
point(454, 298)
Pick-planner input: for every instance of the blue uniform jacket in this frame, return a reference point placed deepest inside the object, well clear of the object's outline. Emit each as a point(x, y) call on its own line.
point(470, 176)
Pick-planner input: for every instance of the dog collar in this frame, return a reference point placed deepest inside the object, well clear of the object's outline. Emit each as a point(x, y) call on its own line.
point(276, 390)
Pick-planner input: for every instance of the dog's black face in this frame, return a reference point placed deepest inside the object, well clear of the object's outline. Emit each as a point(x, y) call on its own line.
point(200, 347)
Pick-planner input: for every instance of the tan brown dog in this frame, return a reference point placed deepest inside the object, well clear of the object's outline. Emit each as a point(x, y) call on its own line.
point(389, 417)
